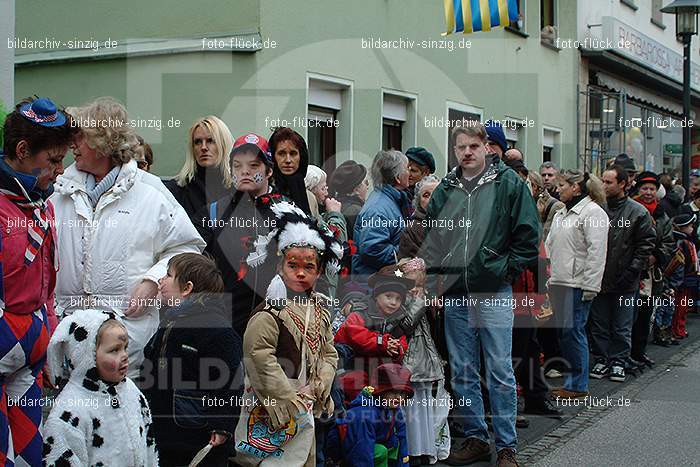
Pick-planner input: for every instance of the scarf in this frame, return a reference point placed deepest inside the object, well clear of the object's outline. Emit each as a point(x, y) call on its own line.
point(651, 207)
point(21, 190)
point(574, 201)
point(95, 190)
point(293, 186)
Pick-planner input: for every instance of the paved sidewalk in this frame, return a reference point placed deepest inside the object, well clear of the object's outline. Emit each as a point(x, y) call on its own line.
point(658, 423)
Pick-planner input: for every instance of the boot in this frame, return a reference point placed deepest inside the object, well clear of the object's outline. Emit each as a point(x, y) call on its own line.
point(659, 337)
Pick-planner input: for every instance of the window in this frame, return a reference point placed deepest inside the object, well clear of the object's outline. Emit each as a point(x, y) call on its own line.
point(656, 16)
point(519, 24)
point(321, 137)
point(515, 133)
point(551, 142)
point(457, 118)
point(329, 119)
point(548, 21)
point(398, 120)
point(391, 134)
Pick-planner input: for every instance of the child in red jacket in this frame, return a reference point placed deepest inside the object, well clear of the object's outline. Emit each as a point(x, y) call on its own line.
point(376, 334)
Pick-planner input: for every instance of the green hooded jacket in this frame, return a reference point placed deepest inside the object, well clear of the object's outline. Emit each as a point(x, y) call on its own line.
point(477, 241)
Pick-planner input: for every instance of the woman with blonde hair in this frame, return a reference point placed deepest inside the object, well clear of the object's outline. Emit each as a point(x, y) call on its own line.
point(118, 226)
point(206, 174)
point(577, 248)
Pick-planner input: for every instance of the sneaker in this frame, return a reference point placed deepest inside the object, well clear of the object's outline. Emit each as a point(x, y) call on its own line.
point(472, 450)
point(506, 458)
point(553, 374)
point(617, 373)
point(600, 370)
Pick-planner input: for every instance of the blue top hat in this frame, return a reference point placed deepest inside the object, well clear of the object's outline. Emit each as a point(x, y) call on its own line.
point(43, 112)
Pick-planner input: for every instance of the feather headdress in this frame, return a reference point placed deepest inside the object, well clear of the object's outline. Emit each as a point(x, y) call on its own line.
point(293, 228)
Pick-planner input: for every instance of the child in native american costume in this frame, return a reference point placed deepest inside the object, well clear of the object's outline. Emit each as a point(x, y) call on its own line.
point(288, 348)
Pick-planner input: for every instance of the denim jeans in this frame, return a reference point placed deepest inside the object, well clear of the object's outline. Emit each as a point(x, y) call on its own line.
point(573, 312)
point(475, 323)
point(612, 316)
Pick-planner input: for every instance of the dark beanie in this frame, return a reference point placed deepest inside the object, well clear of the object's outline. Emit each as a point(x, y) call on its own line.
point(647, 177)
point(625, 161)
point(346, 177)
point(389, 279)
point(495, 133)
point(421, 156)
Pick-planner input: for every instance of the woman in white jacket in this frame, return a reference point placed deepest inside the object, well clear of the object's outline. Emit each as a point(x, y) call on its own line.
point(117, 227)
point(576, 246)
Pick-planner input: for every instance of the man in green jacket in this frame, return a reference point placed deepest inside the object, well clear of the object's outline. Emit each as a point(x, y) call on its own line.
point(482, 231)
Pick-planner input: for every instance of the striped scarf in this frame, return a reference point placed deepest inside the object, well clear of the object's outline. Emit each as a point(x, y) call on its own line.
point(31, 202)
point(96, 190)
point(39, 226)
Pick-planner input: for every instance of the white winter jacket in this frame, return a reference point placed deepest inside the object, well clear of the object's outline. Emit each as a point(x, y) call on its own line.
point(577, 245)
point(136, 227)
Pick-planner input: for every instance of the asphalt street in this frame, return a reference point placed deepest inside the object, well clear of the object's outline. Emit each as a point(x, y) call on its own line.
point(652, 419)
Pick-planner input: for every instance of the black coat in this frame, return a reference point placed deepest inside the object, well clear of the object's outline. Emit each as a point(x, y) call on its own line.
point(206, 186)
point(631, 239)
point(193, 360)
point(240, 220)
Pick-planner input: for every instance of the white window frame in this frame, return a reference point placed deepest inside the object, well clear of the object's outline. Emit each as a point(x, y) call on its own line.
point(409, 128)
point(556, 146)
point(343, 140)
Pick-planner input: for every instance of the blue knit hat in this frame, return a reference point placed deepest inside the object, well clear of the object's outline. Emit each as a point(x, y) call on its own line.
point(495, 133)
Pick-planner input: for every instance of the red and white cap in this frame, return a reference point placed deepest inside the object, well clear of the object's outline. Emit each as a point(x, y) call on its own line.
point(253, 140)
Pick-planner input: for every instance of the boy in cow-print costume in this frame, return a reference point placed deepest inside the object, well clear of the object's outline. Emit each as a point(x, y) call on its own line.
point(100, 418)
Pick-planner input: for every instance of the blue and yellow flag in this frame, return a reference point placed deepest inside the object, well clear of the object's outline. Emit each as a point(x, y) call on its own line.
point(467, 16)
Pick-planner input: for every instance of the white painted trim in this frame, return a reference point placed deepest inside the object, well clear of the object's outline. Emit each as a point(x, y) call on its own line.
point(409, 96)
point(559, 133)
point(249, 42)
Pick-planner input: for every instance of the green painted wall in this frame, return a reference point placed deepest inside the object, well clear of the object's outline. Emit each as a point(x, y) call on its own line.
point(503, 73)
point(126, 19)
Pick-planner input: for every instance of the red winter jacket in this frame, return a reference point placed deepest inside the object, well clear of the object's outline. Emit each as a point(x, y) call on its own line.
point(364, 342)
point(26, 289)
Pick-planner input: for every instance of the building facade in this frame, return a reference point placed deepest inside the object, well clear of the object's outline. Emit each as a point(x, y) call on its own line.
point(351, 77)
point(630, 84)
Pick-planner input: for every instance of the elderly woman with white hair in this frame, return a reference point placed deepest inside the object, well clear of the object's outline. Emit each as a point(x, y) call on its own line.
point(118, 226)
point(412, 238)
point(327, 211)
point(382, 220)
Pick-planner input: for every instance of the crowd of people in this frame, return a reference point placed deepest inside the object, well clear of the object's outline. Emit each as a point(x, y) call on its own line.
point(255, 309)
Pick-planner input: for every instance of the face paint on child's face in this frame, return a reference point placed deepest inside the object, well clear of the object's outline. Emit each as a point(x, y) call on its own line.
point(112, 358)
point(249, 173)
point(388, 302)
point(300, 269)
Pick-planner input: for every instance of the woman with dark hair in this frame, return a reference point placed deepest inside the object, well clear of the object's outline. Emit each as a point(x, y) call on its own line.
point(290, 159)
point(37, 136)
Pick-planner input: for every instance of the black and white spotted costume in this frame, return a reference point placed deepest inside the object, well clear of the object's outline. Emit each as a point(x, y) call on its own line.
point(93, 423)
